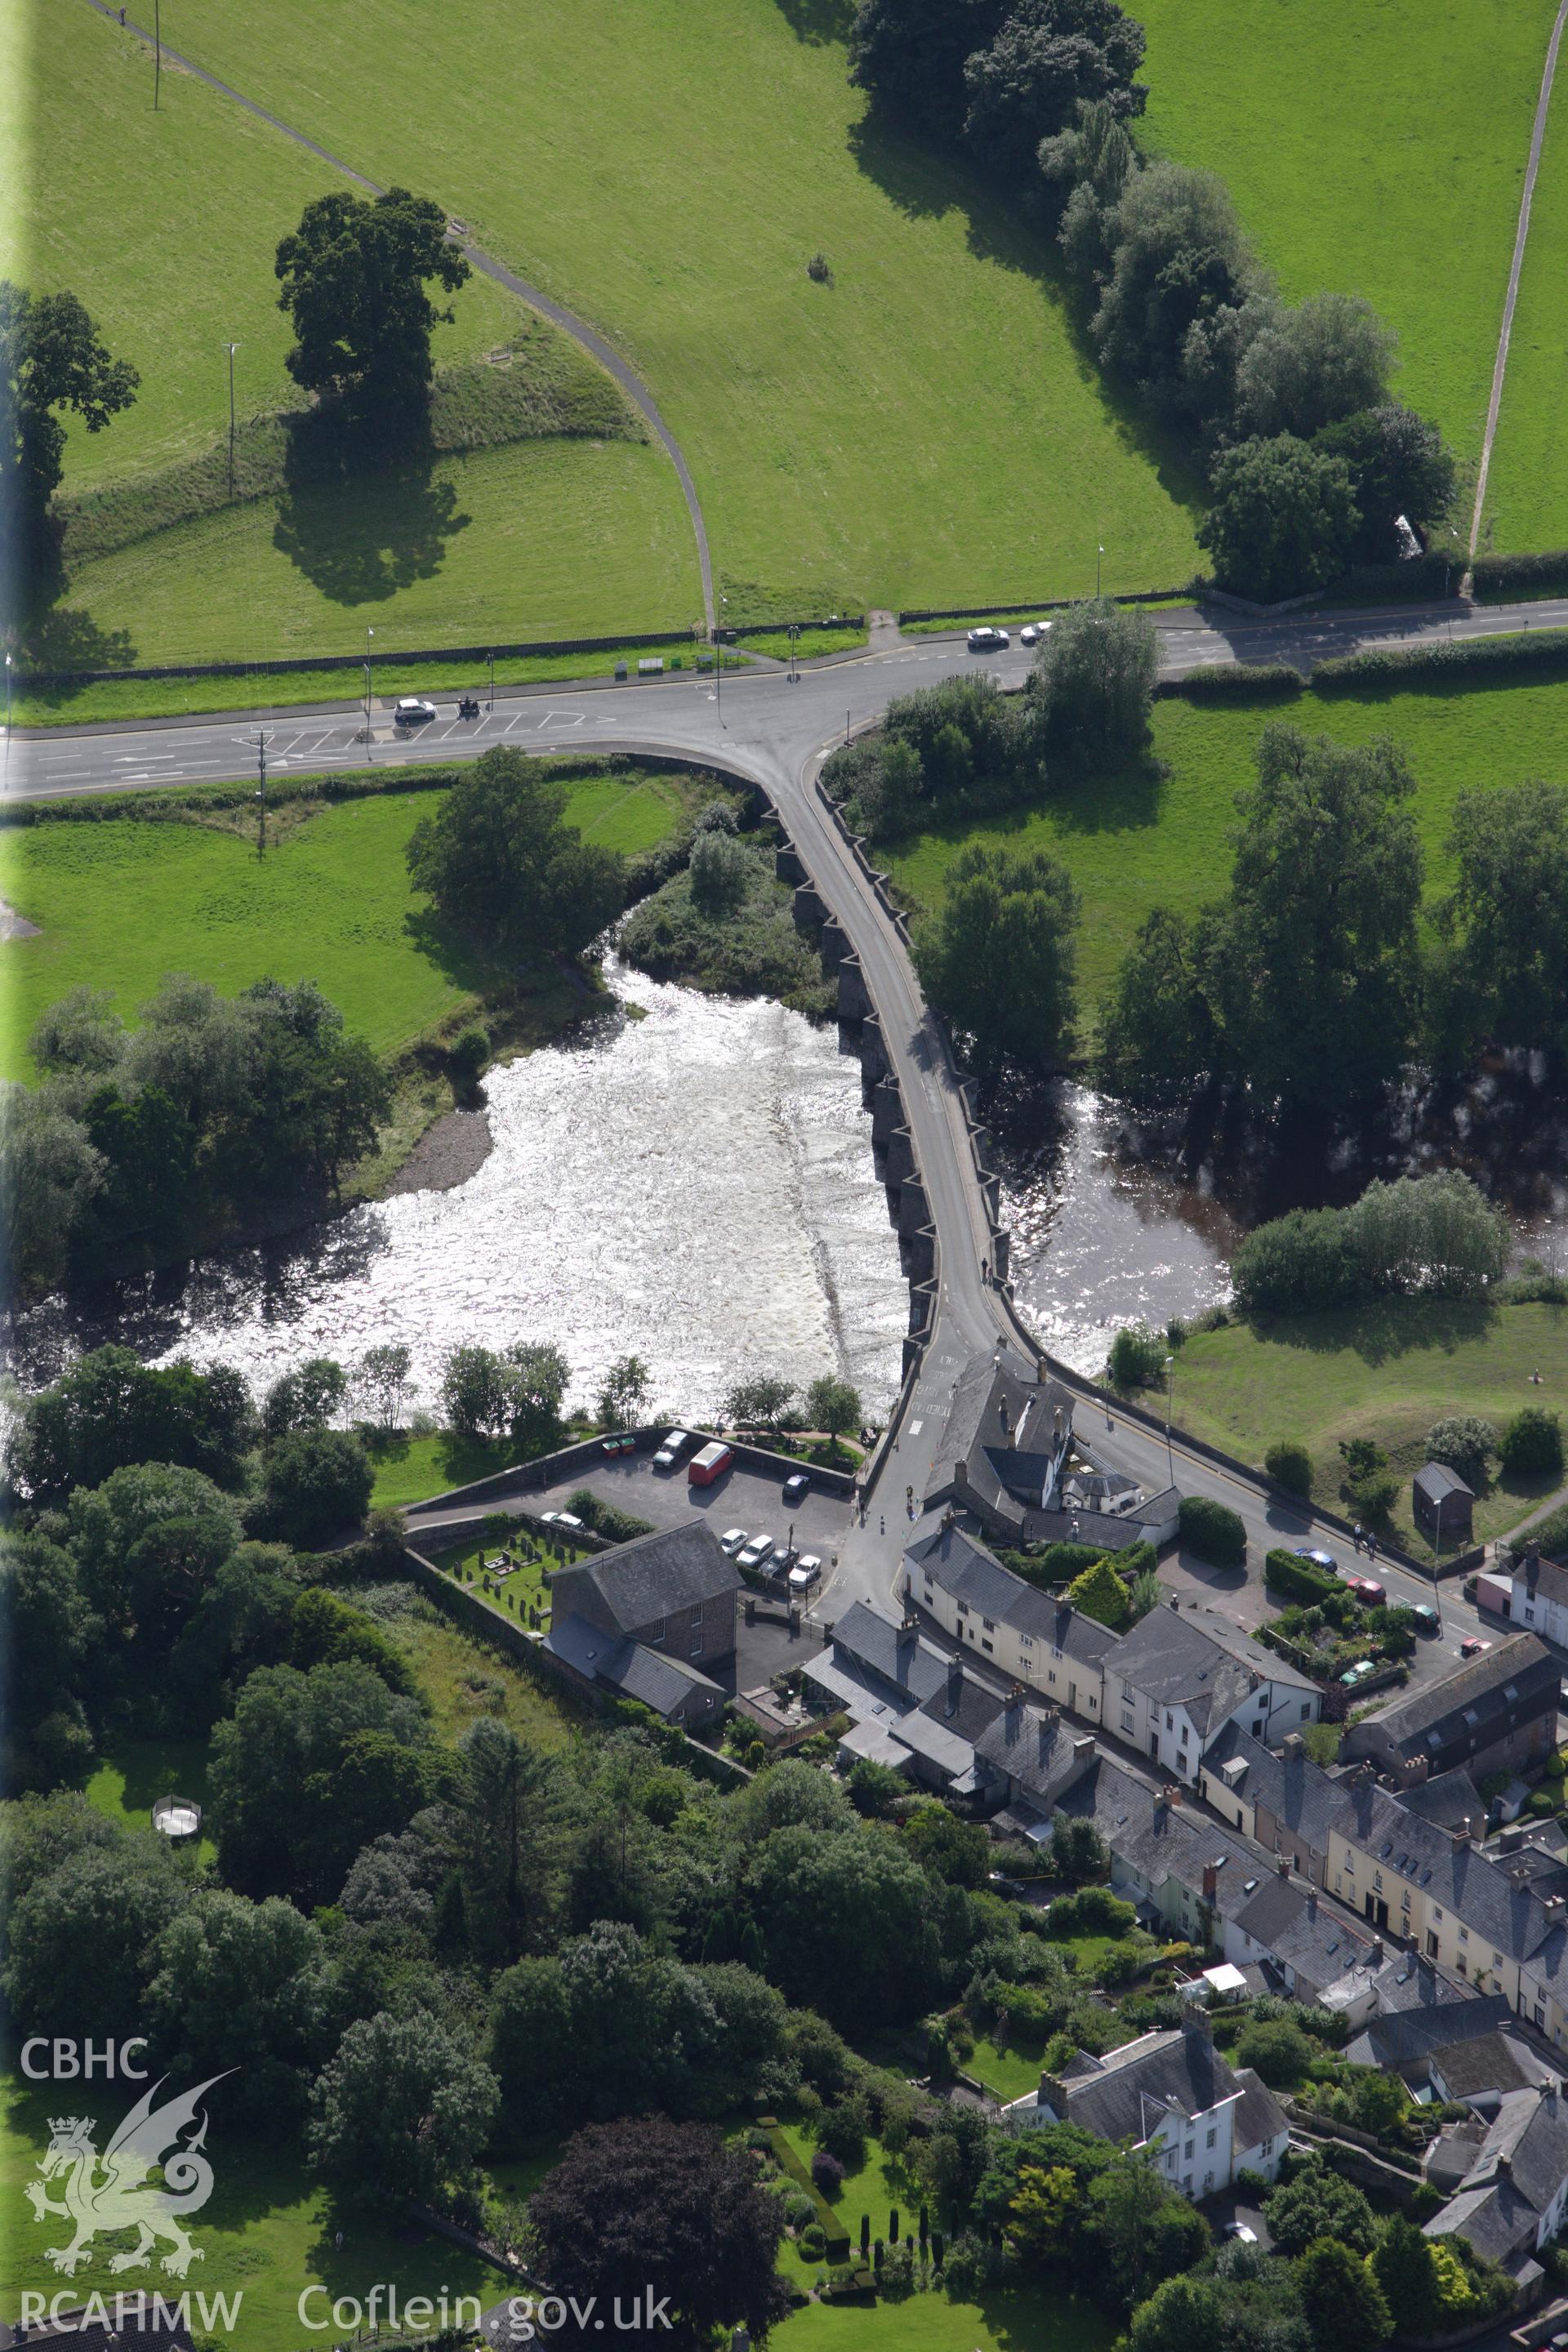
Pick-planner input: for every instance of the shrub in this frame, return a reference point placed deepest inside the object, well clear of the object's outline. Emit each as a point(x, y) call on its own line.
point(1137, 1358)
point(845, 2128)
point(1463, 1441)
point(1275, 2050)
point(799, 2209)
point(1373, 1495)
point(813, 2242)
point(1100, 1593)
point(1235, 680)
point(1213, 1530)
point(1283, 1573)
point(827, 2172)
point(1290, 1466)
point(1532, 1444)
point(467, 1057)
point(1417, 665)
point(1502, 577)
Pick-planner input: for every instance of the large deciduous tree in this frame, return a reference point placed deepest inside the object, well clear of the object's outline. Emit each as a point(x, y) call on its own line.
point(1283, 518)
point(500, 863)
point(1000, 958)
point(1094, 681)
point(52, 358)
point(1506, 921)
point(353, 276)
point(1048, 57)
point(1313, 366)
point(908, 56)
point(403, 2109)
point(649, 2207)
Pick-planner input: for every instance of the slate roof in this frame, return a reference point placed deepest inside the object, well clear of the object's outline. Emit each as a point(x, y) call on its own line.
point(1259, 2114)
point(1434, 1480)
point(1518, 2168)
point(1446, 2017)
point(1162, 1841)
point(1544, 1577)
point(630, 1668)
point(993, 1411)
point(1198, 1660)
point(1447, 1797)
point(1034, 1747)
point(1474, 1703)
point(1301, 1795)
point(654, 1576)
point(1485, 2062)
point(977, 1708)
point(1303, 1934)
point(1112, 1531)
point(1133, 2088)
point(909, 1667)
point(1453, 1872)
point(952, 1560)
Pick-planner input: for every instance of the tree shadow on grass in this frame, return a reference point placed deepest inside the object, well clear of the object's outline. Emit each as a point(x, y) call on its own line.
point(65, 639)
point(818, 22)
point(925, 184)
point(362, 520)
point(1383, 1330)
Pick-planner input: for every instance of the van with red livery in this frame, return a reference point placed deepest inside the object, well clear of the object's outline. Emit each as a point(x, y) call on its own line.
point(709, 1465)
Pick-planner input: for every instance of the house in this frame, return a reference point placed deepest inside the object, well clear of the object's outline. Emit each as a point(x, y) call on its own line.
point(1005, 1449)
point(1169, 1860)
point(645, 1621)
point(1023, 1631)
point(1404, 2040)
point(1513, 2200)
point(1497, 1713)
point(1027, 1758)
point(673, 1591)
point(1442, 1505)
point(1181, 1674)
point(911, 1709)
point(1171, 2094)
point(872, 1667)
point(1275, 1795)
point(1535, 1597)
point(1307, 1947)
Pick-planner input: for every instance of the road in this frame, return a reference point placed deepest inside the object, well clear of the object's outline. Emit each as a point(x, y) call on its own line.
point(764, 727)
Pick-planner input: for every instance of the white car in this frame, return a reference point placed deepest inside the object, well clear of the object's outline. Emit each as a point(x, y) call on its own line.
point(572, 1525)
point(670, 1452)
point(1242, 2232)
point(987, 640)
point(804, 1575)
point(732, 1540)
point(756, 1554)
point(412, 710)
point(1034, 632)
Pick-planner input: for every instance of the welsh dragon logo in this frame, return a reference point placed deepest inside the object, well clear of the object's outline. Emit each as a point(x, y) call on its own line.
point(111, 2191)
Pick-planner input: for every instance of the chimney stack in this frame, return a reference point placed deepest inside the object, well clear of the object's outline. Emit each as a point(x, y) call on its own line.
point(1311, 1902)
point(1283, 1866)
point(954, 1685)
point(1462, 1831)
point(1211, 1881)
point(1292, 1747)
point(1378, 1954)
point(1196, 2020)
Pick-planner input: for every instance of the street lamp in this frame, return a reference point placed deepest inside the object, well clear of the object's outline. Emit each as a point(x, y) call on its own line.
point(1438, 1563)
point(719, 659)
point(794, 670)
point(7, 722)
point(1170, 1388)
point(232, 348)
point(368, 635)
point(1098, 561)
point(491, 659)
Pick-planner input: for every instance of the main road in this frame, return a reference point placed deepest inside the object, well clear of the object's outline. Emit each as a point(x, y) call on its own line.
point(776, 731)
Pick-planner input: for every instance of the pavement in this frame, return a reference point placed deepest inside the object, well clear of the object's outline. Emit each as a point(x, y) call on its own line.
point(776, 731)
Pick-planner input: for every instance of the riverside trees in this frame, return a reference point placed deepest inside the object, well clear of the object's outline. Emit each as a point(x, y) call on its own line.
point(501, 864)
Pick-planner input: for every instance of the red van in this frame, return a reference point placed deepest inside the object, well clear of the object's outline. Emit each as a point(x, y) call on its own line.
point(710, 1463)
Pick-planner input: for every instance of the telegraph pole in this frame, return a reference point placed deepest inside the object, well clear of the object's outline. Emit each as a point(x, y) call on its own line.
point(231, 349)
point(261, 742)
point(157, 51)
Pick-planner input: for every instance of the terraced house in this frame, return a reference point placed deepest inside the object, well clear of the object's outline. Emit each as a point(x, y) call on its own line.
point(1023, 1631)
point(1184, 1674)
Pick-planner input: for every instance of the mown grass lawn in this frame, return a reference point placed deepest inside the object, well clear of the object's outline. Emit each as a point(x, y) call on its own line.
point(927, 428)
point(1133, 839)
point(1385, 1371)
point(1011, 2070)
point(133, 1774)
point(1373, 147)
point(269, 2232)
point(1527, 487)
point(122, 902)
point(870, 2190)
point(1036, 2320)
point(541, 538)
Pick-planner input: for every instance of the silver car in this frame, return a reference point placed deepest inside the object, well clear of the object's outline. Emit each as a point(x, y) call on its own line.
point(756, 1554)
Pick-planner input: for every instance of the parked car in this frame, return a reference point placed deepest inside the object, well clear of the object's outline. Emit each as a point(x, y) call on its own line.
point(412, 710)
point(1242, 2231)
point(1367, 1591)
point(1473, 1646)
point(567, 1519)
point(732, 1540)
point(987, 640)
point(756, 1554)
point(1034, 632)
point(805, 1572)
point(1323, 1559)
point(1426, 1617)
point(796, 1486)
point(1362, 1671)
point(670, 1452)
point(709, 1465)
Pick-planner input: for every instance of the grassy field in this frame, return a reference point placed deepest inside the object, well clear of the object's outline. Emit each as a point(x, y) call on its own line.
point(545, 539)
point(1388, 1372)
point(463, 1681)
point(925, 427)
point(121, 903)
point(269, 2232)
point(934, 2322)
point(1133, 840)
point(128, 1781)
point(1373, 147)
point(1527, 487)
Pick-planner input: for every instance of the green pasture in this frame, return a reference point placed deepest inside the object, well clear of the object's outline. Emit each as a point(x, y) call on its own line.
point(118, 904)
point(930, 424)
point(1527, 488)
point(1373, 147)
point(1136, 839)
point(1387, 1372)
point(543, 539)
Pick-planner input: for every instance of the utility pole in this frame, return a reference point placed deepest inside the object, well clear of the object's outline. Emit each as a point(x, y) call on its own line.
point(157, 51)
point(793, 666)
point(7, 722)
point(231, 349)
point(491, 659)
point(369, 752)
point(1170, 1387)
point(1098, 562)
point(261, 742)
point(719, 658)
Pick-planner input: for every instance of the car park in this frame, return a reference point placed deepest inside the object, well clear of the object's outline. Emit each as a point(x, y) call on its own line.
point(1318, 1559)
point(988, 640)
point(1426, 1617)
point(796, 1486)
point(619, 1444)
point(756, 1554)
point(1353, 1676)
point(412, 710)
point(1367, 1591)
point(733, 1540)
point(1473, 1647)
point(1034, 632)
point(709, 1464)
point(675, 1445)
